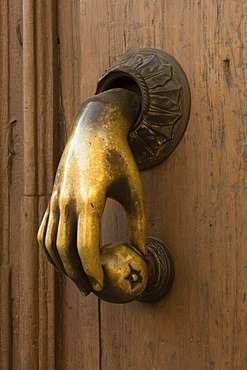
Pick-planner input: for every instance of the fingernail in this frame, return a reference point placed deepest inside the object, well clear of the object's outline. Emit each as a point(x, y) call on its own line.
point(84, 292)
point(97, 287)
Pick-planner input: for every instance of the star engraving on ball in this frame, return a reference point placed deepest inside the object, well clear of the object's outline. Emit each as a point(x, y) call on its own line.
point(134, 277)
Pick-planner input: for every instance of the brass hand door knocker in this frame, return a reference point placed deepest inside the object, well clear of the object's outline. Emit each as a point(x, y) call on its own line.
point(136, 118)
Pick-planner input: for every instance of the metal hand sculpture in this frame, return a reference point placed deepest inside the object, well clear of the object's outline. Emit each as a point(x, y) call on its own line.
point(96, 163)
point(143, 98)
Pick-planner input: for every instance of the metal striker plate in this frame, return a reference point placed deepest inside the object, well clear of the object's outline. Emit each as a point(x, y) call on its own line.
point(162, 84)
point(161, 271)
point(130, 276)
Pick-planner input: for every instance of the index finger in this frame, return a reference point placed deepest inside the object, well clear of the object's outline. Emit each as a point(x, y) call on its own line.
point(88, 239)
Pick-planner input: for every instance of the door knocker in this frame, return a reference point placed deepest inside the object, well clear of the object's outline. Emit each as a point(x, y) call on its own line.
point(136, 119)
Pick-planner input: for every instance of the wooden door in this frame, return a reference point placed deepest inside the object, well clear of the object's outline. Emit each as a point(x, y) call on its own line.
point(196, 201)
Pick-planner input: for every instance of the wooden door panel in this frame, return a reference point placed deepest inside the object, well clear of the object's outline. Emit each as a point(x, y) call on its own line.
point(196, 200)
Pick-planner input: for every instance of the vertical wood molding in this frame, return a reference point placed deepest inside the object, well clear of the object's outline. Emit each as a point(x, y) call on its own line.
point(37, 304)
point(39, 95)
point(5, 269)
point(29, 319)
point(29, 98)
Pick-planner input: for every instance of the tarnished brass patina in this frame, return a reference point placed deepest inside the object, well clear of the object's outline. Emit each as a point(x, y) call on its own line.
point(96, 163)
point(130, 276)
point(140, 108)
point(126, 273)
point(162, 84)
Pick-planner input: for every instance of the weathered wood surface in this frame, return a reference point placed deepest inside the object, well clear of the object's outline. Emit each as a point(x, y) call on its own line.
point(51, 57)
point(5, 267)
point(29, 99)
point(196, 201)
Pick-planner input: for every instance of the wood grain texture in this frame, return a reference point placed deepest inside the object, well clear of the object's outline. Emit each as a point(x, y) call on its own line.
point(5, 268)
point(15, 168)
point(29, 132)
point(196, 200)
point(40, 127)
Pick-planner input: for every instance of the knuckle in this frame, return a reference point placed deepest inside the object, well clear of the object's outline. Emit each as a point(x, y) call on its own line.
point(54, 195)
point(42, 229)
point(40, 236)
point(94, 205)
point(64, 202)
point(81, 201)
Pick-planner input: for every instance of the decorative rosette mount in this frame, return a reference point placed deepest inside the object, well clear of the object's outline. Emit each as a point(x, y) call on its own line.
point(162, 84)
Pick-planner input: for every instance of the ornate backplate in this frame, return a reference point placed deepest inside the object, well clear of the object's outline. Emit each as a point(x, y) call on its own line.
point(160, 81)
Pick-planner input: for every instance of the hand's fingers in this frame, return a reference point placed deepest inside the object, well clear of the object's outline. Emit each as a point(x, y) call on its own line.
point(42, 234)
point(138, 232)
point(51, 234)
point(88, 238)
point(134, 207)
point(67, 249)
